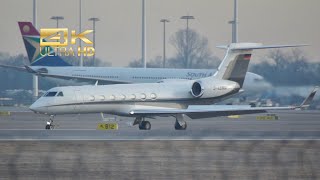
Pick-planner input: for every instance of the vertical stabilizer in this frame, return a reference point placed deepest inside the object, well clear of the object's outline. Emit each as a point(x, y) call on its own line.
point(31, 39)
point(235, 64)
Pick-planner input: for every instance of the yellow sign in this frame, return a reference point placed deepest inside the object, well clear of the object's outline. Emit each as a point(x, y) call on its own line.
point(56, 40)
point(234, 116)
point(107, 126)
point(5, 113)
point(267, 117)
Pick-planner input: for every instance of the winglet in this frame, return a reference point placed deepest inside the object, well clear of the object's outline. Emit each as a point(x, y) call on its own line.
point(308, 100)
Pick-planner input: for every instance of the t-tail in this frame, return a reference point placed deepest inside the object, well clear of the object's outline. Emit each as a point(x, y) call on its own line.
point(236, 61)
point(31, 39)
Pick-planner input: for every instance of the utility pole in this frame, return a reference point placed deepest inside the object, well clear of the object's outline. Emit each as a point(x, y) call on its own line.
point(187, 37)
point(35, 79)
point(164, 21)
point(94, 20)
point(144, 36)
point(57, 18)
point(80, 24)
point(234, 23)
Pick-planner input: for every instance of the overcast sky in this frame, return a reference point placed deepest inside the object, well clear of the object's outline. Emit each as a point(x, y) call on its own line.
point(118, 34)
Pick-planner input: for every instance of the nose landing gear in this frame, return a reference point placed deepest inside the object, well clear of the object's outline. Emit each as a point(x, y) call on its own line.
point(50, 124)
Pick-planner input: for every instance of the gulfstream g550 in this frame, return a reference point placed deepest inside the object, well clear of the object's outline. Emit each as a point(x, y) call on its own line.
point(193, 98)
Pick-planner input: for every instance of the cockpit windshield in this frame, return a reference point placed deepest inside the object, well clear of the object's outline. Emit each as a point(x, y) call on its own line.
point(60, 94)
point(50, 94)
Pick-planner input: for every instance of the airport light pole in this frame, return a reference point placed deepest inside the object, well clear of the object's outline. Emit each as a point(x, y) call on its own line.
point(164, 21)
point(234, 23)
point(94, 20)
point(35, 79)
point(187, 37)
point(80, 24)
point(144, 38)
point(57, 18)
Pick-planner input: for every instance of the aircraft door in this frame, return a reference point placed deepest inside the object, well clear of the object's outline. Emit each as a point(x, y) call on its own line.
point(78, 100)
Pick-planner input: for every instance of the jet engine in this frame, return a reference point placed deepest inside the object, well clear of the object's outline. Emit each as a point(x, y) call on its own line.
point(197, 89)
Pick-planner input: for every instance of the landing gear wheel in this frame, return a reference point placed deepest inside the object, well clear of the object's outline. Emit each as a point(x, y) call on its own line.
point(177, 125)
point(50, 124)
point(145, 125)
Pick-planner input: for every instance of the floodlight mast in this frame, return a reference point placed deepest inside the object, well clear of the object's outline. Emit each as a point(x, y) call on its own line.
point(80, 25)
point(35, 79)
point(164, 21)
point(94, 20)
point(187, 37)
point(57, 18)
point(144, 36)
point(234, 23)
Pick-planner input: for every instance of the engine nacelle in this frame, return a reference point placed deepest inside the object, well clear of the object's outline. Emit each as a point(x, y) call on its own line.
point(208, 88)
point(197, 89)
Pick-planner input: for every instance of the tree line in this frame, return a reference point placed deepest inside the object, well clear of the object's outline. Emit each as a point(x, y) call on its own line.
point(284, 68)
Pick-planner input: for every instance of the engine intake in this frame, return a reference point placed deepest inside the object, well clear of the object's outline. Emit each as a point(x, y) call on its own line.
point(197, 89)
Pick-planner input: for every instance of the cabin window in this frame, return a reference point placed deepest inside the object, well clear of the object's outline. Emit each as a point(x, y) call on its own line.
point(51, 94)
point(60, 94)
point(102, 98)
point(112, 97)
point(133, 97)
point(153, 96)
point(143, 96)
point(122, 97)
point(91, 98)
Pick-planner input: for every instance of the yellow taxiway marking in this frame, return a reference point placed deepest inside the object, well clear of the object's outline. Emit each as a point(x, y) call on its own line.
point(234, 116)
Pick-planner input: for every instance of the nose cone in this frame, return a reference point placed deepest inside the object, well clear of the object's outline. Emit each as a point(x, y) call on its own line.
point(38, 108)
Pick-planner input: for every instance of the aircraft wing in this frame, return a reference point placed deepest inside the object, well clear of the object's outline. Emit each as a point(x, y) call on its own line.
point(206, 111)
point(83, 79)
point(14, 67)
point(43, 72)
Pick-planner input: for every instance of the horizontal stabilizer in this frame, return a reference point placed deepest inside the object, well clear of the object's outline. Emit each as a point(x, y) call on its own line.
point(252, 46)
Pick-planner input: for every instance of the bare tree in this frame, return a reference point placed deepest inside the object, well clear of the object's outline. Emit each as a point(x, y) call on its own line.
point(192, 50)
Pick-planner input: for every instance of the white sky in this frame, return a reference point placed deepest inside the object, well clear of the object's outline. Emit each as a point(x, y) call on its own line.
point(118, 34)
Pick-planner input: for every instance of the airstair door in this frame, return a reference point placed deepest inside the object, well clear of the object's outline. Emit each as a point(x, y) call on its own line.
point(78, 100)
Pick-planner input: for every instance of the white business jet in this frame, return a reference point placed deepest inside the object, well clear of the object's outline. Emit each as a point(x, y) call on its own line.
point(193, 98)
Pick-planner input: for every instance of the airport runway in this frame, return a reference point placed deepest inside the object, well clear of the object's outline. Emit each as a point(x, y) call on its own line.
point(291, 125)
point(215, 148)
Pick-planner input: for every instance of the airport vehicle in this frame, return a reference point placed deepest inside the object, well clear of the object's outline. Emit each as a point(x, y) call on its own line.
point(56, 67)
point(178, 98)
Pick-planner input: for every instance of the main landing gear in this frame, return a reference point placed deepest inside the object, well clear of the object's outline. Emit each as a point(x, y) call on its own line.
point(50, 124)
point(180, 124)
point(143, 124)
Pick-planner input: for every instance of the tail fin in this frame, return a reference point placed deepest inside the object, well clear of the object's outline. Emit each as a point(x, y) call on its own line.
point(306, 103)
point(31, 39)
point(236, 61)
